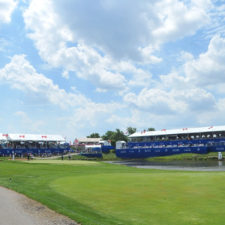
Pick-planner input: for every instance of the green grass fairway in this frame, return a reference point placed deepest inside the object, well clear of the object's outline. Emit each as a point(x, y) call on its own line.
point(68, 162)
point(103, 194)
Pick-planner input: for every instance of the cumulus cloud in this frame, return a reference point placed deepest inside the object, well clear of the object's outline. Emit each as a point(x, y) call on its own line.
point(6, 9)
point(190, 89)
point(175, 101)
point(208, 68)
point(51, 37)
point(94, 40)
point(191, 17)
point(20, 74)
point(110, 25)
point(92, 114)
point(83, 114)
point(197, 99)
point(123, 28)
point(113, 45)
point(155, 101)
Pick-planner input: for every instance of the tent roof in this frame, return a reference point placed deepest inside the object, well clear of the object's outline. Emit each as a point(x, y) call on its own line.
point(179, 131)
point(35, 137)
point(92, 146)
point(89, 140)
point(3, 136)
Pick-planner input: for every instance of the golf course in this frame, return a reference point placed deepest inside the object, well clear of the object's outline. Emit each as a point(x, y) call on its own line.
point(100, 193)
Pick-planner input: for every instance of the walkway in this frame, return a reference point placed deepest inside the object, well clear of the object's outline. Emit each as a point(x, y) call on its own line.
point(17, 209)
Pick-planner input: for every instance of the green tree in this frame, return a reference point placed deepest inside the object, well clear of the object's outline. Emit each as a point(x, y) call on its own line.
point(108, 135)
point(119, 135)
point(94, 135)
point(114, 136)
point(131, 130)
point(151, 129)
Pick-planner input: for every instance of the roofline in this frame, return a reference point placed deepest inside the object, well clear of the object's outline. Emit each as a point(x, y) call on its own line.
point(31, 137)
point(165, 132)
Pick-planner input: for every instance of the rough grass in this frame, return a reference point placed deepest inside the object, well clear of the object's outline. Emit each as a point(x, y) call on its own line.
point(105, 157)
point(102, 193)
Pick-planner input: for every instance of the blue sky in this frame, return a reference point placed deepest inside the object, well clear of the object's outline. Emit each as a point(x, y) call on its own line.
point(80, 66)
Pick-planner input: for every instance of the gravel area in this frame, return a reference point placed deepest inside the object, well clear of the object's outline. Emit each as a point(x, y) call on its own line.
point(17, 209)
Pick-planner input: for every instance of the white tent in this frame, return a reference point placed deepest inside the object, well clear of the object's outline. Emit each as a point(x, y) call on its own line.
point(180, 131)
point(35, 137)
point(3, 137)
point(92, 146)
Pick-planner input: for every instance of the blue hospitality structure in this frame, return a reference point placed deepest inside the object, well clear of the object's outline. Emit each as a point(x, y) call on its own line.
point(92, 147)
point(24, 144)
point(97, 149)
point(168, 142)
point(92, 151)
point(106, 146)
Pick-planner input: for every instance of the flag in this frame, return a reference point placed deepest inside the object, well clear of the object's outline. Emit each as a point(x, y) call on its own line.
point(76, 142)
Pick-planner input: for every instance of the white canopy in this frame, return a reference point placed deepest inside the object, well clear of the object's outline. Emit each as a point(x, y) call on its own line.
point(179, 131)
point(3, 137)
point(35, 137)
point(92, 146)
point(89, 140)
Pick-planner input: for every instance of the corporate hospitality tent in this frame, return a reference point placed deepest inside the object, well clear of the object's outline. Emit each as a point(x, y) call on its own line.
point(163, 132)
point(35, 137)
point(3, 137)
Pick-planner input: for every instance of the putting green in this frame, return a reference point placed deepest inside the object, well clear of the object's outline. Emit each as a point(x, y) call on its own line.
point(165, 198)
point(69, 162)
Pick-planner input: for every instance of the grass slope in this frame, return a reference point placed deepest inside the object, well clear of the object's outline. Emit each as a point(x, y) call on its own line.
point(101, 193)
point(188, 156)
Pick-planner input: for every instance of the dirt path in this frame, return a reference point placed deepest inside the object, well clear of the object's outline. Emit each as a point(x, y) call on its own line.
point(17, 209)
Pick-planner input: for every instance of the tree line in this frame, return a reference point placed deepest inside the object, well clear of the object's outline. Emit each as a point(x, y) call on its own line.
point(117, 135)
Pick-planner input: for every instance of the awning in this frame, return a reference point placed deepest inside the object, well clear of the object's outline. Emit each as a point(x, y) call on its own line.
point(179, 131)
point(3, 137)
point(35, 137)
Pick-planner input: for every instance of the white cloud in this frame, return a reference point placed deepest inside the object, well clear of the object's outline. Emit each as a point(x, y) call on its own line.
point(217, 14)
point(93, 40)
point(197, 100)
point(113, 45)
point(6, 9)
point(92, 114)
point(65, 74)
point(173, 80)
point(123, 28)
point(208, 68)
point(81, 114)
point(178, 19)
point(172, 102)
point(134, 118)
point(51, 37)
point(155, 101)
point(189, 90)
point(205, 71)
point(20, 74)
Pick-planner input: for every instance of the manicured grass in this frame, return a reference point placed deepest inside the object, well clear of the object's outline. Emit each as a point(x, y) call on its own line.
point(67, 162)
point(188, 156)
point(102, 193)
